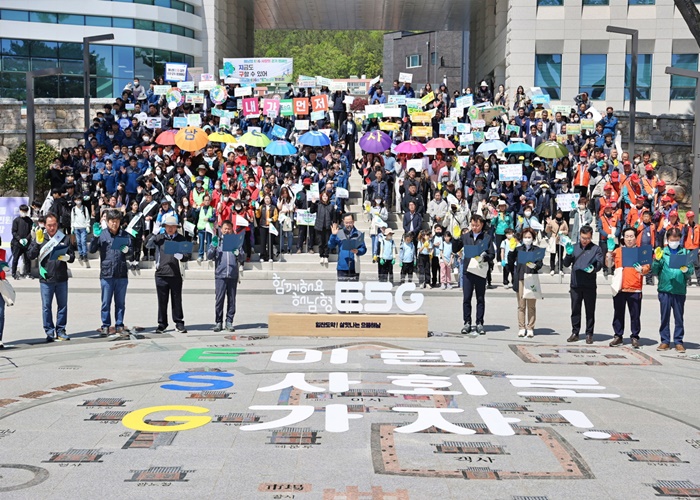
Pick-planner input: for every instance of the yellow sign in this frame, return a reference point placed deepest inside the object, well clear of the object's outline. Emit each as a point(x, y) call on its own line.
point(135, 419)
point(420, 117)
point(422, 132)
point(427, 99)
point(389, 126)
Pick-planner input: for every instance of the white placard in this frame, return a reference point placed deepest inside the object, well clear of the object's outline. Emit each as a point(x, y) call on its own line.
point(392, 112)
point(567, 202)
point(301, 124)
point(186, 86)
point(406, 77)
point(416, 164)
point(206, 85)
point(242, 91)
point(175, 72)
point(510, 172)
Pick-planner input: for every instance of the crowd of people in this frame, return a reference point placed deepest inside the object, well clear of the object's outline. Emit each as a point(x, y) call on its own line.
point(126, 197)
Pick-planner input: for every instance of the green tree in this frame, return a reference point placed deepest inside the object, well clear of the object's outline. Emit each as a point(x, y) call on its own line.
point(13, 174)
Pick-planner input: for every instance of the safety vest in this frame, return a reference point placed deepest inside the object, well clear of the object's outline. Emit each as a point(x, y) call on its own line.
point(692, 237)
point(649, 184)
point(635, 215)
point(652, 233)
point(610, 223)
point(582, 177)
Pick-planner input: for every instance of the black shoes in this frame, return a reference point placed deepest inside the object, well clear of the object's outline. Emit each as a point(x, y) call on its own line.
point(180, 329)
point(616, 341)
point(573, 338)
point(466, 329)
point(217, 327)
point(161, 329)
point(589, 339)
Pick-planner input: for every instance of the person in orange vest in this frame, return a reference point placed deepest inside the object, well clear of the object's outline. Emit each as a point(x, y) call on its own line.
point(609, 225)
point(634, 216)
point(582, 178)
point(609, 196)
point(665, 224)
point(629, 295)
point(626, 172)
point(658, 195)
point(646, 235)
point(649, 181)
point(691, 241)
point(616, 182)
point(672, 194)
point(631, 189)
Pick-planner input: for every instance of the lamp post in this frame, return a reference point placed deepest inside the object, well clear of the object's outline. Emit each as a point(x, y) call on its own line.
point(695, 183)
point(31, 151)
point(86, 72)
point(633, 78)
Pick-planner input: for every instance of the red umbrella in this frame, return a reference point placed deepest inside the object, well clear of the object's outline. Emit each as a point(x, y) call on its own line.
point(167, 138)
point(440, 143)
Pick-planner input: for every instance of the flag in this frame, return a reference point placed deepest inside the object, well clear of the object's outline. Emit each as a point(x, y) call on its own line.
point(273, 230)
point(240, 221)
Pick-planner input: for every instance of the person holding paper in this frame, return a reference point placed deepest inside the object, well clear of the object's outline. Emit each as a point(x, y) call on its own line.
point(526, 327)
point(586, 259)
point(115, 250)
point(474, 278)
point(225, 276)
point(673, 269)
point(21, 237)
point(205, 225)
point(691, 241)
point(52, 248)
point(326, 216)
point(168, 275)
point(629, 294)
point(134, 225)
point(351, 244)
point(267, 217)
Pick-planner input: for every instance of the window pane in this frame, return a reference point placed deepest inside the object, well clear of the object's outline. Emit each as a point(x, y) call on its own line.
point(140, 24)
point(595, 2)
point(162, 3)
point(162, 27)
point(177, 57)
point(550, 3)
point(593, 75)
point(683, 88)
point(43, 17)
point(118, 86)
point(101, 60)
point(643, 76)
point(161, 57)
point(103, 87)
point(15, 47)
point(123, 63)
point(189, 33)
point(189, 60)
point(71, 19)
point(70, 86)
point(548, 74)
point(143, 63)
point(41, 63)
point(98, 21)
point(189, 8)
point(68, 50)
point(43, 49)
point(177, 4)
point(71, 67)
point(46, 86)
point(145, 2)
point(14, 15)
point(121, 22)
point(178, 30)
point(642, 2)
point(13, 85)
point(15, 63)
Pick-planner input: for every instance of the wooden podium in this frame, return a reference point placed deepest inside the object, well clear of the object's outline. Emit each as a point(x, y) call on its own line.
point(348, 325)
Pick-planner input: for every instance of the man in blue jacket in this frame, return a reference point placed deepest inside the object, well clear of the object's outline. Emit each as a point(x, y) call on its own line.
point(129, 175)
point(609, 122)
point(351, 243)
point(115, 250)
point(225, 278)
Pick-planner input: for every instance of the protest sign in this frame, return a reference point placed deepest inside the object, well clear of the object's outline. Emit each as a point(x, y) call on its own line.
point(161, 89)
point(540, 99)
point(319, 102)
point(420, 117)
point(270, 105)
point(251, 106)
point(567, 202)
point(242, 91)
point(206, 85)
point(259, 70)
point(175, 72)
point(194, 120)
point(194, 98)
point(314, 192)
point(463, 128)
point(301, 124)
point(224, 121)
point(218, 94)
point(397, 99)
point(301, 106)
point(512, 128)
point(492, 134)
point(374, 110)
point(323, 82)
point(278, 131)
point(416, 164)
point(446, 129)
point(587, 124)
point(466, 139)
point(562, 108)
point(465, 101)
point(427, 99)
point(9, 210)
point(306, 82)
point(287, 107)
point(206, 77)
point(478, 123)
point(179, 122)
point(389, 126)
point(573, 128)
point(510, 172)
point(392, 112)
point(478, 136)
point(153, 122)
point(187, 86)
point(305, 218)
point(317, 115)
point(337, 86)
point(422, 132)
point(457, 112)
point(348, 99)
point(405, 78)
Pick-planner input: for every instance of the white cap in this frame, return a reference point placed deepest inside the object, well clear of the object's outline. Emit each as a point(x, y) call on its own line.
point(484, 84)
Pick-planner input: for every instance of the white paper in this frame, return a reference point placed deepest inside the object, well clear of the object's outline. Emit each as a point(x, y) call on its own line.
point(242, 91)
point(406, 77)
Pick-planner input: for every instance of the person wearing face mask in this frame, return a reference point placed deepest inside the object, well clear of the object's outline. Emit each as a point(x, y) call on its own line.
point(578, 218)
point(555, 229)
point(21, 237)
point(586, 259)
point(526, 326)
point(80, 225)
point(691, 241)
point(672, 289)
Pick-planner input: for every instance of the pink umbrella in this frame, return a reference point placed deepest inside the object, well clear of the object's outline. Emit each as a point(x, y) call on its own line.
point(440, 143)
point(410, 147)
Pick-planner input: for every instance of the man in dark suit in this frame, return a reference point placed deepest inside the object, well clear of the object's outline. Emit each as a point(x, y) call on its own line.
point(412, 220)
point(532, 139)
point(348, 134)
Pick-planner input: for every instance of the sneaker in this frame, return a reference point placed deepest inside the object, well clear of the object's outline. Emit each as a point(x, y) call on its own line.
point(161, 329)
point(508, 286)
point(467, 328)
point(680, 347)
point(321, 260)
point(521, 333)
point(551, 273)
point(443, 287)
point(480, 330)
point(199, 260)
point(325, 260)
point(490, 286)
point(217, 327)
point(49, 339)
point(119, 335)
point(2, 346)
point(530, 333)
point(230, 327)
point(635, 342)
point(104, 331)
point(62, 338)
point(663, 347)
point(180, 329)
point(561, 273)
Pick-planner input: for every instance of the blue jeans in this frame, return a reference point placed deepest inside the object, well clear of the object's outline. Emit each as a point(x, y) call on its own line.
point(2, 316)
point(676, 303)
point(48, 292)
point(287, 241)
point(113, 287)
point(204, 242)
point(81, 239)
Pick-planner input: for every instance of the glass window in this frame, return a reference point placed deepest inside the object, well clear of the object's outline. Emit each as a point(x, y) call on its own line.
point(145, 2)
point(161, 57)
point(68, 50)
point(98, 21)
point(176, 57)
point(593, 74)
point(140, 24)
point(162, 3)
point(143, 63)
point(123, 66)
point(71, 67)
point(46, 86)
point(189, 33)
point(15, 47)
point(433, 58)
point(101, 60)
point(122, 22)
point(177, 4)
point(43, 49)
point(162, 27)
point(189, 8)
point(178, 30)
point(43, 17)
point(414, 61)
point(10, 63)
point(683, 88)
point(643, 76)
point(70, 86)
point(550, 3)
point(102, 86)
point(596, 2)
point(189, 60)
point(71, 19)
point(548, 74)
point(118, 86)
point(13, 85)
point(641, 2)
point(14, 15)
point(43, 63)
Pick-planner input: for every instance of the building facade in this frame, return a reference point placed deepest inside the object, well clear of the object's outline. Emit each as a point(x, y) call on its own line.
point(431, 56)
point(563, 47)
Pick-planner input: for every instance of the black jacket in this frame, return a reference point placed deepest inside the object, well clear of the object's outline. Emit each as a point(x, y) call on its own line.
point(417, 220)
point(581, 259)
point(56, 270)
point(167, 266)
point(112, 260)
point(21, 228)
point(521, 270)
point(468, 239)
point(326, 215)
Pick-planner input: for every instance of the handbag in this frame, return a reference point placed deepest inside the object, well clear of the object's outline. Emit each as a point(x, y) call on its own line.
point(532, 288)
point(616, 283)
point(478, 268)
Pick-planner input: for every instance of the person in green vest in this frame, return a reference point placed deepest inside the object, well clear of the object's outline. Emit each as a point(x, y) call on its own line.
point(205, 225)
point(671, 290)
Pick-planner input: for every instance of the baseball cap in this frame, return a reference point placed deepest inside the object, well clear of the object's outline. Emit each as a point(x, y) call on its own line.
point(673, 213)
point(649, 168)
point(608, 187)
point(615, 176)
point(634, 178)
point(307, 181)
point(689, 215)
point(671, 192)
point(666, 198)
point(661, 183)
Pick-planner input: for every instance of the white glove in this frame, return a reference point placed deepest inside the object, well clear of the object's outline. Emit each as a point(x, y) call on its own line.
point(178, 256)
point(63, 258)
point(531, 265)
point(638, 268)
point(23, 242)
point(125, 249)
point(478, 259)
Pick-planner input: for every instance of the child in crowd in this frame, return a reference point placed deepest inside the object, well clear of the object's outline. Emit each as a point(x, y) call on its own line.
point(407, 258)
point(503, 254)
point(425, 253)
point(446, 258)
point(387, 255)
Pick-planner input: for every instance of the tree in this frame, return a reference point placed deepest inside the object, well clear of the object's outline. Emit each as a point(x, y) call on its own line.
point(691, 15)
point(13, 174)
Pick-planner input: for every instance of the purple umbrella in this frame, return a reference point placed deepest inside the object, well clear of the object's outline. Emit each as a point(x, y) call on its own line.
point(375, 142)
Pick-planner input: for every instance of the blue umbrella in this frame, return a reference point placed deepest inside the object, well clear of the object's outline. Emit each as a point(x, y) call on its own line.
point(280, 148)
point(490, 146)
point(518, 147)
point(314, 138)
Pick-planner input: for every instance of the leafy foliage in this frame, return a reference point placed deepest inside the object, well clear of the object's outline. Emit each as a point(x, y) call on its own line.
point(331, 54)
point(13, 174)
point(358, 104)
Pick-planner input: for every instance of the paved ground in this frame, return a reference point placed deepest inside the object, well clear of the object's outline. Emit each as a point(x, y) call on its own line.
point(67, 429)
